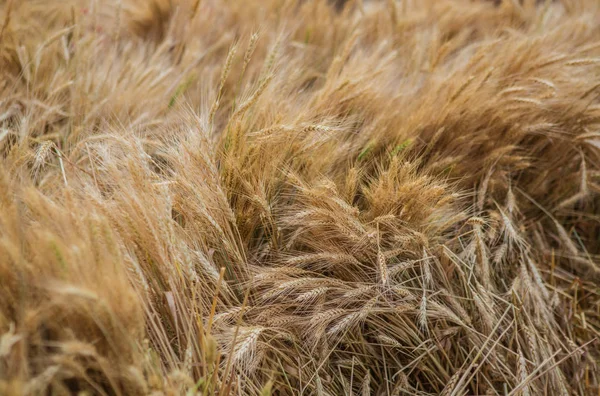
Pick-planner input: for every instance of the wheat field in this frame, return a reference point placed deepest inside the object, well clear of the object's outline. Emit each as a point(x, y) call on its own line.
point(299, 197)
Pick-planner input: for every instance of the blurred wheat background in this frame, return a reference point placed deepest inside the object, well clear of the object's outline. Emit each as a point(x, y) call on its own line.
point(287, 197)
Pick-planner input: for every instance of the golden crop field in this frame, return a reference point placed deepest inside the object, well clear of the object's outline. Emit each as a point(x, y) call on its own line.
point(299, 197)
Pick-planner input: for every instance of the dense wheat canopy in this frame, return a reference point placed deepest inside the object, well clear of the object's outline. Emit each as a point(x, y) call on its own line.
point(291, 197)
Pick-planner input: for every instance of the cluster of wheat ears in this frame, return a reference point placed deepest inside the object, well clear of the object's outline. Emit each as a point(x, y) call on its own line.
point(299, 197)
